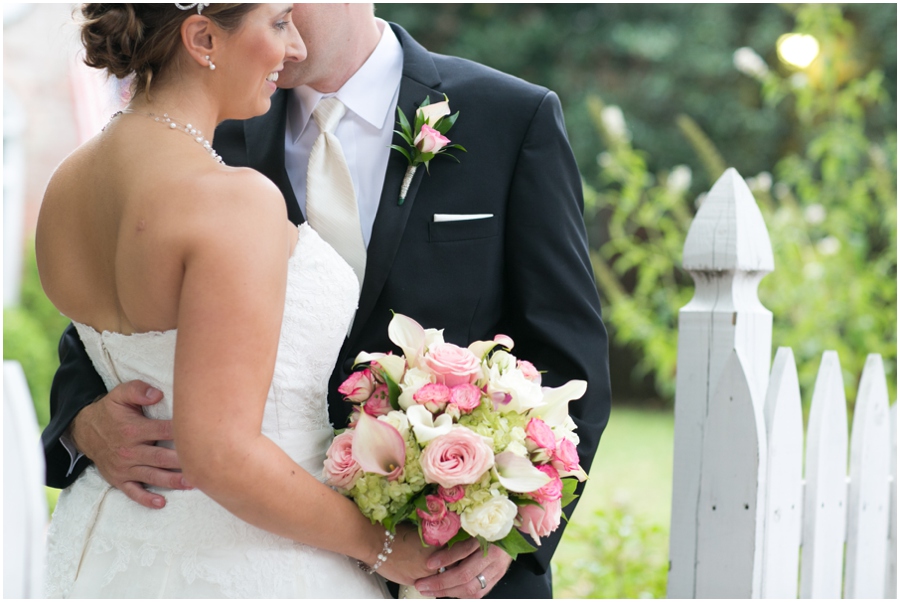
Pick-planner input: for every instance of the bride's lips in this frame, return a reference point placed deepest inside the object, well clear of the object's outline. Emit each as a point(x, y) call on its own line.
point(272, 78)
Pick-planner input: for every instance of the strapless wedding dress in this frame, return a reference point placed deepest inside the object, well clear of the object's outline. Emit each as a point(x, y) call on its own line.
point(102, 544)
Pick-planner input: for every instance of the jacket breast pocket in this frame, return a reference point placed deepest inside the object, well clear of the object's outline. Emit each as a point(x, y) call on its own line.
point(463, 230)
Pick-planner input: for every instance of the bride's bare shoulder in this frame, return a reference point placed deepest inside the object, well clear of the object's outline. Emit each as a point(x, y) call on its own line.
point(238, 204)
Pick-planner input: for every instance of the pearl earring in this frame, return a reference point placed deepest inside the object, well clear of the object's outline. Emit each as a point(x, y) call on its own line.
point(212, 67)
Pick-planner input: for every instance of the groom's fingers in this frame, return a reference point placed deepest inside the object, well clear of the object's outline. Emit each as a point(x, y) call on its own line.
point(136, 492)
point(447, 556)
point(461, 581)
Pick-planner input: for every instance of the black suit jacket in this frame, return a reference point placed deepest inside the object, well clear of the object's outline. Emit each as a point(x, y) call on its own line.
point(525, 272)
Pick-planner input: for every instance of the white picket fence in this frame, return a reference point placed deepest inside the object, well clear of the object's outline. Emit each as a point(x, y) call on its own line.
point(746, 521)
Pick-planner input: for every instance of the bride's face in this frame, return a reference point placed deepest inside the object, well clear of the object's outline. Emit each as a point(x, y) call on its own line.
point(252, 57)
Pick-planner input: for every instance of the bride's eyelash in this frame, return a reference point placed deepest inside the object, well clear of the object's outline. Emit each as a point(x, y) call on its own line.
point(282, 25)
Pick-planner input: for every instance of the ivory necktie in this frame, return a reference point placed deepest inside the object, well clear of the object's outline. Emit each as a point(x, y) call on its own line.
point(330, 199)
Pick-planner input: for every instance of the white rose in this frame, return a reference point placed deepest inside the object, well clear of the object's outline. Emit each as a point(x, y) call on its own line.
point(491, 520)
point(524, 394)
point(414, 380)
point(397, 420)
point(503, 361)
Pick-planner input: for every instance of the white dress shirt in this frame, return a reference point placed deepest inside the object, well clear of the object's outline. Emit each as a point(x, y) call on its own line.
point(365, 131)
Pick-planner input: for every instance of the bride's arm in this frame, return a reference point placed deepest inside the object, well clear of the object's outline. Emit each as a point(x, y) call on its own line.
point(229, 320)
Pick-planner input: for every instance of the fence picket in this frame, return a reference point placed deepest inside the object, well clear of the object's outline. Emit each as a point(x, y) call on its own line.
point(867, 509)
point(825, 503)
point(733, 471)
point(784, 485)
point(890, 588)
point(727, 252)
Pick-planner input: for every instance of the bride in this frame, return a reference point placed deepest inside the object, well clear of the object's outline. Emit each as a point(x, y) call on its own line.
point(144, 233)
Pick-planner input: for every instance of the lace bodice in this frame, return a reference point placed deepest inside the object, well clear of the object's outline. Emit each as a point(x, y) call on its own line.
point(101, 544)
point(320, 300)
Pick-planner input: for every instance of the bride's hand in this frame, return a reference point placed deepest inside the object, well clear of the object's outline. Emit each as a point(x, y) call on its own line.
point(408, 560)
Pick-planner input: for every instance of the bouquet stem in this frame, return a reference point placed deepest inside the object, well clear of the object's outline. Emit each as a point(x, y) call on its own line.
point(407, 180)
point(409, 592)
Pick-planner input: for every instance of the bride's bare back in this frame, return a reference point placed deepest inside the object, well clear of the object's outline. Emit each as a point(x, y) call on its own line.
point(121, 213)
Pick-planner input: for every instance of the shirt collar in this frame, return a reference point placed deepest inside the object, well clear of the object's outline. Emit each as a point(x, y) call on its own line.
point(369, 93)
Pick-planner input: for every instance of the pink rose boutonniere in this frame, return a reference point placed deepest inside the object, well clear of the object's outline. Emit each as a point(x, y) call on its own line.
point(425, 138)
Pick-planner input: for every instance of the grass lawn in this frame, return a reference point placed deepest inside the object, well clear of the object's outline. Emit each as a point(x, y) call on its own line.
point(617, 542)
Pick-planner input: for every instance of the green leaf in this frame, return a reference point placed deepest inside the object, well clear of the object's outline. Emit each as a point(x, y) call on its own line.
point(404, 123)
point(402, 152)
point(445, 123)
point(457, 146)
point(450, 156)
point(425, 102)
point(485, 545)
point(514, 544)
point(393, 388)
point(406, 138)
point(461, 535)
point(568, 491)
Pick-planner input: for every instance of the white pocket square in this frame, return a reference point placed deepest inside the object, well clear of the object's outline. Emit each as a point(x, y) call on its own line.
point(460, 217)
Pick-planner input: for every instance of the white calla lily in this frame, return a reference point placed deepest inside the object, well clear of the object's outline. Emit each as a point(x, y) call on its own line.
point(424, 424)
point(408, 335)
point(555, 409)
point(431, 113)
point(433, 337)
point(518, 474)
point(365, 357)
point(378, 447)
point(481, 348)
point(394, 366)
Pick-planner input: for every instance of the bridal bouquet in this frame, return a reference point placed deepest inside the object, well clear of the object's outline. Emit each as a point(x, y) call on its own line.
point(463, 442)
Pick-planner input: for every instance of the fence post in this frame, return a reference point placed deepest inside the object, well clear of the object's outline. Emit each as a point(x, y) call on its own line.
point(24, 501)
point(867, 516)
point(825, 497)
point(890, 588)
point(784, 479)
point(727, 253)
point(732, 490)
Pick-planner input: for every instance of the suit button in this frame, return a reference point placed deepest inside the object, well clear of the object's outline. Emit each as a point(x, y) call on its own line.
point(348, 366)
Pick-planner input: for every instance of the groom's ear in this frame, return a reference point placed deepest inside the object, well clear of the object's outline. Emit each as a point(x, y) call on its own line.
point(200, 37)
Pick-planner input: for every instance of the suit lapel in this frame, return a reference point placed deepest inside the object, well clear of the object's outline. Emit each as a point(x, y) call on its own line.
point(265, 150)
point(418, 81)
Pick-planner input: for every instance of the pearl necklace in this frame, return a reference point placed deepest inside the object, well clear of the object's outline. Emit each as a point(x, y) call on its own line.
point(188, 129)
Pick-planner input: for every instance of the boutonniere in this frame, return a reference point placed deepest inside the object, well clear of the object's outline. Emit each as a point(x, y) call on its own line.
point(426, 139)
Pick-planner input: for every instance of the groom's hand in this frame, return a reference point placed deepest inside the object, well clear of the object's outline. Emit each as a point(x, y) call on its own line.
point(114, 433)
point(461, 580)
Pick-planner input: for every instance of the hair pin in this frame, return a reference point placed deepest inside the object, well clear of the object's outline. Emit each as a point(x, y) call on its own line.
point(200, 6)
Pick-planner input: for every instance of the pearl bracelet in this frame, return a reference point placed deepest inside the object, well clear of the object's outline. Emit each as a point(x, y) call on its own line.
point(386, 550)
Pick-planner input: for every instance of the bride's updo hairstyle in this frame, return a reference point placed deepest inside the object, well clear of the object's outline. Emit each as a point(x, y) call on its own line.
point(143, 39)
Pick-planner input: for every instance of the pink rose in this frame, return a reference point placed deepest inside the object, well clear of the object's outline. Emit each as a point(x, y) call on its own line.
point(460, 457)
point(358, 386)
point(379, 403)
point(433, 396)
point(453, 365)
point(539, 434)
point(437, 508)
point(466, 397)
point(565, 458)
point(452, 494)
point(552, 491)
point(529, 371)
point(429, 140)
point(437, 533)
point(539, 521)
point(341, 470)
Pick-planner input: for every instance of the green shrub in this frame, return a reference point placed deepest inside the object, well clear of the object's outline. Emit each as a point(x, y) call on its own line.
point(830, 208)
point(622, 556)
point(31, 334)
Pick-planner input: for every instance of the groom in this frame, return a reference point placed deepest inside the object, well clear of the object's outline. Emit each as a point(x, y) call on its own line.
point(492, 244)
